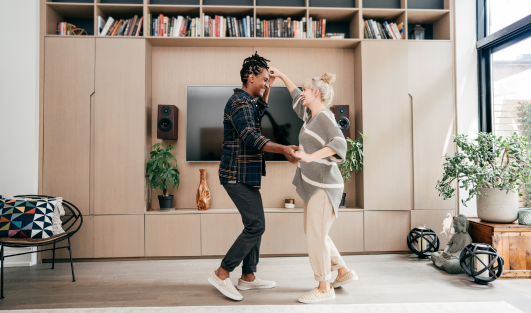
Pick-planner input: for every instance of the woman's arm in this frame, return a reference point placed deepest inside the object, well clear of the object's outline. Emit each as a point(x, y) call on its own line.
point(320, 154)
point(276, 73)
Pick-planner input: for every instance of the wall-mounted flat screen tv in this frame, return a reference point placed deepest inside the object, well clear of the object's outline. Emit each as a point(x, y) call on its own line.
point(204, 121)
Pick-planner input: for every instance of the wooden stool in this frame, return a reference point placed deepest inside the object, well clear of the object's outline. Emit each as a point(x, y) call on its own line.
point(512, 241)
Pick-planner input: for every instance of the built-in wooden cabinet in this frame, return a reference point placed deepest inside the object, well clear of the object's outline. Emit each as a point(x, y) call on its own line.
point(82, 243)
point(69, 76)
point(118, 236)
point(173, 235)
point(386, 231)
point(121, 127)
point(386, 121)
point(431, 88)
point(347, 232)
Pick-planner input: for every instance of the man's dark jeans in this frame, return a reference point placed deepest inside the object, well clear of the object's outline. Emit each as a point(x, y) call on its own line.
point(247, 247)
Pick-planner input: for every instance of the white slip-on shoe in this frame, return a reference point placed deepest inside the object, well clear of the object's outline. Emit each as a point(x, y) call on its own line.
point(315, 296)
point(225, 287)
point(344, 279)
point(256, 284)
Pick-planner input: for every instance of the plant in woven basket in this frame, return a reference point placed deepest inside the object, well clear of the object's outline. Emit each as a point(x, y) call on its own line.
point(354, 158)
point(486, 162)
point(162, 169)
point(524, 113)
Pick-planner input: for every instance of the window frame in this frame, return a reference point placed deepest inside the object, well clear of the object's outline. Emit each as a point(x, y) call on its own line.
point(486, 46)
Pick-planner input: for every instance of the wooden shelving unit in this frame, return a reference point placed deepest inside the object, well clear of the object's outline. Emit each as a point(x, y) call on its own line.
point(342, 16)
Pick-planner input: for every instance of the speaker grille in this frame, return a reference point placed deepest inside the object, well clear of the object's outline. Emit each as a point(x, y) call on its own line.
point(165, 124)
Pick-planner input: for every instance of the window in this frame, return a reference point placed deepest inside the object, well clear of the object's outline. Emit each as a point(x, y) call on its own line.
point(504, 64)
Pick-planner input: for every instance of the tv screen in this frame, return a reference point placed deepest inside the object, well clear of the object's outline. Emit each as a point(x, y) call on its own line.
point(204, 121)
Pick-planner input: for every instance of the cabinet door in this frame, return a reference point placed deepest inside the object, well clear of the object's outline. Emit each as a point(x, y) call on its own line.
point(118, 236)
point(386, 230)
point(69, 83)
point(173, 235)
point(120, 127)
point(218, 232)
point(347, 232)
point(82, 243)
point(387, 173)
point(284, 234)
point(430, 76)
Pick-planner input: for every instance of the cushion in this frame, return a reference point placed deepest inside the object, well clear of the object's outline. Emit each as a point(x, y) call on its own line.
point(57, 224)
point(26, 218)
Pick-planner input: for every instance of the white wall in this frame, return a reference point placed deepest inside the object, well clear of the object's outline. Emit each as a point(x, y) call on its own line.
point(466, 80)
point(19, 103)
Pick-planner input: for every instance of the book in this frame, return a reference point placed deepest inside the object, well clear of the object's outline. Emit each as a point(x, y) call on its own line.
point(139, 28)
point(101, 24)
point(107, 26)
point(323, 30)
point(335, 35)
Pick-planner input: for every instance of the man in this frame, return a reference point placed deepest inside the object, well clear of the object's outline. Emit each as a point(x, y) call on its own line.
point(242, 165)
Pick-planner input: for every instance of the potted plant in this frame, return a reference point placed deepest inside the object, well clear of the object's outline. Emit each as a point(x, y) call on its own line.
point(353, 161)
point(162, 172)
point(492, 168)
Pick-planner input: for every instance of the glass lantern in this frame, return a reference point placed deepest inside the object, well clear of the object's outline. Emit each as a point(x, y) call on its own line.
point(417, 33)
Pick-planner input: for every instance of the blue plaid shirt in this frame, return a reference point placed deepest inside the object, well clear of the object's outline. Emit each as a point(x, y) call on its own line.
point(242, 158)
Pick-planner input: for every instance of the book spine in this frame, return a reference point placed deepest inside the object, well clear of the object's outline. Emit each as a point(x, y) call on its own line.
point(252, 27)
point(258, 27)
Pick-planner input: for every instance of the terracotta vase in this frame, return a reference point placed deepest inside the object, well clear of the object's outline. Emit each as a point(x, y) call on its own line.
point(203, 193)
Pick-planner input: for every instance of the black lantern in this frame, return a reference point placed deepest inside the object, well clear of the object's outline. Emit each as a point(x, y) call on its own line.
point(423, 242)
point(482, 262)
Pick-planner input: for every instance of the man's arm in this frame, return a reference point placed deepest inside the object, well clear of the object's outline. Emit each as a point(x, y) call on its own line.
point(287, 151)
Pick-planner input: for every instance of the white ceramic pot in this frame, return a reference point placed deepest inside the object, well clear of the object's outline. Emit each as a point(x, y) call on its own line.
point(498, 206)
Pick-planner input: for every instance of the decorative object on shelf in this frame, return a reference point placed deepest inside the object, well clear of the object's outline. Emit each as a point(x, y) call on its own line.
point(482, 262)
point(492, 168)
point(67, 29)
point(203, 193)
point(448, 260)
point(289, 203)
point(423, 242)
point(162, 172)
point(353, 161)
point(418, 33)
point(524, 217)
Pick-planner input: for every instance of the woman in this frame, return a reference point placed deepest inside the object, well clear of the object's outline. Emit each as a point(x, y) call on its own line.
point(318, 180)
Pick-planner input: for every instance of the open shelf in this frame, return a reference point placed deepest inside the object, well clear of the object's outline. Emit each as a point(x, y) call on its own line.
point(436, 23)
point(334, 3)
point(281, 3)
point(385, 15)
point(141, 2)
point(384, 4)
point(255, 42)
point(175, 10)
point(229, 2)
point(339, 20)
point(71, 1)
point(428, 4)
point(173, 2)
point(81, 15)
point(234, 11)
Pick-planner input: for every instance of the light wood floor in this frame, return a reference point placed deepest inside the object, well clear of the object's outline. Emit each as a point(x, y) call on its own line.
point(382, 279)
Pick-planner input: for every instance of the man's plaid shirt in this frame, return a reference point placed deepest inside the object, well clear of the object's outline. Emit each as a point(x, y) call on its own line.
point(242, 158)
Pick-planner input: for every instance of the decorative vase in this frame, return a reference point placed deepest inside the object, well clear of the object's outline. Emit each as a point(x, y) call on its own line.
point(499, 206)
point(524, 217)
point(203, 193)
point(165, 202)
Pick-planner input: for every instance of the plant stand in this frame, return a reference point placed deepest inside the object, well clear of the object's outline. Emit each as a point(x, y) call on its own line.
point(512, 241)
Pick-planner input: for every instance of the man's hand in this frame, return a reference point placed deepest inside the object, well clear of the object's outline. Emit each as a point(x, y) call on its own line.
point(305, 157)
point(291, 154)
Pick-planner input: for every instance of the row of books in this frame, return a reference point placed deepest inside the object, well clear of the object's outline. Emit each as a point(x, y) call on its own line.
point(281, 28)
point(229, 26)
point(165, 26)
point(376, 30)
point(111, 27)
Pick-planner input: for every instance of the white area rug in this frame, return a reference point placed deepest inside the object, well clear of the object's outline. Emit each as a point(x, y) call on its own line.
point(453, 307)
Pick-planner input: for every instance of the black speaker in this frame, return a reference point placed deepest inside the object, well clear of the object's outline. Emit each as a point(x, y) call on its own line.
point(167, 122)
point(341, 113)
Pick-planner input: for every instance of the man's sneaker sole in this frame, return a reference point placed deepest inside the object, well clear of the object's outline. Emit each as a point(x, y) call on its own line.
point(345, 282)
point(226, 294)
point(257, 287)
point(315, 301)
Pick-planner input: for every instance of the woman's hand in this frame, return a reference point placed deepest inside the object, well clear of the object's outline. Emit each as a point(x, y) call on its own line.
point(304, 156)
point(273, 72)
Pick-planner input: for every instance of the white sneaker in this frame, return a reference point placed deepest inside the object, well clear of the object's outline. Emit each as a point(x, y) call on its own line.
point(316, 296)
point(225, 287)
point(256, 284)
point(344, 279)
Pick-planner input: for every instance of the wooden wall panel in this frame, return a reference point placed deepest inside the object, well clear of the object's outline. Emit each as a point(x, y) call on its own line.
point(347, 232)
point(440, 221)
point(218, 232)
point(82, 243)
point(221, 66)
point(386, 230)
point(120, 127)
point(388, 156)
point(118, 236)
point(430, 80)
point(69, 76)
point(284, 234)
point(173, 235)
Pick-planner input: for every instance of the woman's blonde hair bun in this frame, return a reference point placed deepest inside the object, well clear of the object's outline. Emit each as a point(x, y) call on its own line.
point(328, 78)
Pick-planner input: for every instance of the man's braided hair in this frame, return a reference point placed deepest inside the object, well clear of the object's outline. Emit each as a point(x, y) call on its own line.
point(252, 65)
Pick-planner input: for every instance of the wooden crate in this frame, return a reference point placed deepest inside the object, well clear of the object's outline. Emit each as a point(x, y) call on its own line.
point(512, 241)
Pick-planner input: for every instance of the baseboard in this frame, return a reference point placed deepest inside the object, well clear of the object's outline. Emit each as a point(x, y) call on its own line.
point(21, 260)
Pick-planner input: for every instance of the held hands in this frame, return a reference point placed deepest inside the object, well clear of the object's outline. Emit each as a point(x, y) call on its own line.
point(291, 153)
point(305, 157)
